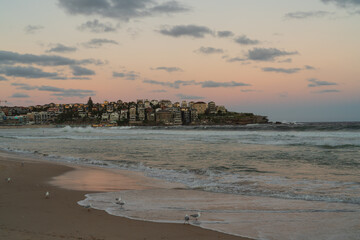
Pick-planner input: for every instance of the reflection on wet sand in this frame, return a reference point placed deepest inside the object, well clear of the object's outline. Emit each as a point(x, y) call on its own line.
point(106, 180)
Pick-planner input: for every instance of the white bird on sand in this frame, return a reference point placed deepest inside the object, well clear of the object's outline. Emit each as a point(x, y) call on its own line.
point(187, 218)
point(196, 215)
point(8, 180)
point(120, 202)
point(47, 195)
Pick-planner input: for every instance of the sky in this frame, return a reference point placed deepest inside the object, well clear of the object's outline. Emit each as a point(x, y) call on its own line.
point(289, 60)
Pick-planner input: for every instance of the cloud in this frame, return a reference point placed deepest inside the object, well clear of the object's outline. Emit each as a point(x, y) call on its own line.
point(3, 78)
point(288, 60)
point(225, 34)
point(96, 26)
point(80, 71)
point(168, 69)
point(26, 72)
point(24, 86)
point(60, 48)
point(287, 70)
point(267, 54)
point(316, 83)
point(186, 30)
point(50, 89)
point(205, 84)
point(308, 67)
point(59, 78)
point(176, 84)
point(31, 29)
point(212, 84)
point(126, 75)
point(236, 59)
point(20, 95)
point(188, 97)
point(309, 14)
point(69, 78)
point(185, 83)
point(159, 91)
point(282, 70)
point(244, 40)
point(133, 32)
point(209, 50)
point(122, 10)
point(7, 57)
point(261, 54)
point(61, 92)
point(344, 3)
point(98, 42)
point(328, 91)
point(79, 78)
point(169, 7)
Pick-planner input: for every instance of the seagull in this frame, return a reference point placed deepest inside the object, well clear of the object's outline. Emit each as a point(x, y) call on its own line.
point(22, 164)
point(87, 207)
point(8, 180)
point(47, 195)
point(196, 215)
point(187, 218)
point(120, 202)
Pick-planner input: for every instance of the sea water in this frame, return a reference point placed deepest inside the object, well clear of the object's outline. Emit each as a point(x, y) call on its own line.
point(287, 181)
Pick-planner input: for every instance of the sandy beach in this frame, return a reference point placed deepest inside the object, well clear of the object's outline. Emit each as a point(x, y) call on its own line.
point(27, 214)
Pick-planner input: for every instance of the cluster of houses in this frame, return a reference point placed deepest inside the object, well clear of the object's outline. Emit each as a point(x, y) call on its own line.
point(139, 112)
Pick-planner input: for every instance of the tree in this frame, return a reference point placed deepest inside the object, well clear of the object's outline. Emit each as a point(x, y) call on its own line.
point(90, 104)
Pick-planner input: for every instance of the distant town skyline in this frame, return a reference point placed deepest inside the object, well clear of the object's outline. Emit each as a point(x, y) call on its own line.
point(288, 60)
point(135, 113)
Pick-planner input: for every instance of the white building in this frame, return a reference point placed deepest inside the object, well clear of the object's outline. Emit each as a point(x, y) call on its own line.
point(124, 114)
point(154, 102)
point(147, 104)
point(114, 117)
point(105, 117)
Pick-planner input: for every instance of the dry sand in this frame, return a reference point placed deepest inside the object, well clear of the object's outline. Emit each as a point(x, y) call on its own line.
point(25, 214)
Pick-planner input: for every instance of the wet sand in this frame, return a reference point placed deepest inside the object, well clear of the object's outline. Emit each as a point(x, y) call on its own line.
point(27, 214)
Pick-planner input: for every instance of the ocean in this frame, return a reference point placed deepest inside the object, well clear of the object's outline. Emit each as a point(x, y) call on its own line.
point(269, 181)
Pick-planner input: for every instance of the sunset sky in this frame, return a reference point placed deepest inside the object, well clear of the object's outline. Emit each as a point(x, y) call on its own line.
point(290, 60)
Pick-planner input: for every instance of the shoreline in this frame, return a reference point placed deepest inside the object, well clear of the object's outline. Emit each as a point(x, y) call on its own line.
point(26, 214)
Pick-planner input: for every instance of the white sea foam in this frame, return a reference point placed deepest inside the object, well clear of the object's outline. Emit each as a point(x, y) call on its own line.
point(253, 217)
point(309, 138)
